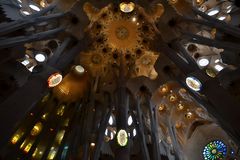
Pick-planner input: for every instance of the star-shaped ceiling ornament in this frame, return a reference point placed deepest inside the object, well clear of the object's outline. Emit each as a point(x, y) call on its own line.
point(117, 34)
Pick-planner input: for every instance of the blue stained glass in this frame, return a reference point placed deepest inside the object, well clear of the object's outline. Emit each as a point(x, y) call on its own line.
point(215, 150)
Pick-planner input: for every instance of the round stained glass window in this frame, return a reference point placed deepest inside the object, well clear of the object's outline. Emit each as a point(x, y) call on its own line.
point(215, 150)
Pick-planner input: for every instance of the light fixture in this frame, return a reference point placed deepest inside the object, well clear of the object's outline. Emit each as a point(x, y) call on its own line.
point(34, 7)
point(203, 62)
point(122, 138)
point(213, 12)
point(79, 69)
point(92, 144)
point(130, 120)
point(193, 83)
point(127, 7)
point(134, 19)
point(40, 57)
point(54, 80)
point(218, 67)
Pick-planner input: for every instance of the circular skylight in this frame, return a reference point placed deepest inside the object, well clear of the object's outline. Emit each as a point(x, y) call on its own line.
point(54, 80)
point(40, 57)
point(127, 7)
point(122, 138)
point(34, 7)
point(193, 83)
point(203, 62)
point(79, 69)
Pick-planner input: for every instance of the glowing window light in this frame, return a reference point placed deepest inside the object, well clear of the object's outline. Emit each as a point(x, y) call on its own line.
point(40, 57)
point(36, 129)
point(79, 69)
point(111, 136)
point(15, 138)
point(215, 150)
point(19, 1)
point(106, 132)
point(31, 68)
point(218, 67)
point(193, 83)
point(92, 144)
point(52, 153)
point(221, 18)
point(110, 121)
point(38, 153)
point(25, 13)
point(203, 62)
point(54, 80)
point(59, 136)
point(127, 7)
point(228, 11)
point(26, 145)
point(217, 60)
point(134, 132)
point(226, 7)
point(60, 110)
point(122, 138)
point(130, 120)
point(34, 7)
point(25, 62)
point(213, 12)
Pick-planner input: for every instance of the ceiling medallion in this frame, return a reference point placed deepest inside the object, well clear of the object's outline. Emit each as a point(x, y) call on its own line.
point(127, 7)
point(122, 33)
point(93, 62)
point(122, 138)
point(116, 34)
point(145, 65)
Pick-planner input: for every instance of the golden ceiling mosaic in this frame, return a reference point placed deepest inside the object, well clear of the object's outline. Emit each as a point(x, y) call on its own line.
point(120, 37)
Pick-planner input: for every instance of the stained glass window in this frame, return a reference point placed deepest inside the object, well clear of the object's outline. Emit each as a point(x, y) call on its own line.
point(215, 150)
